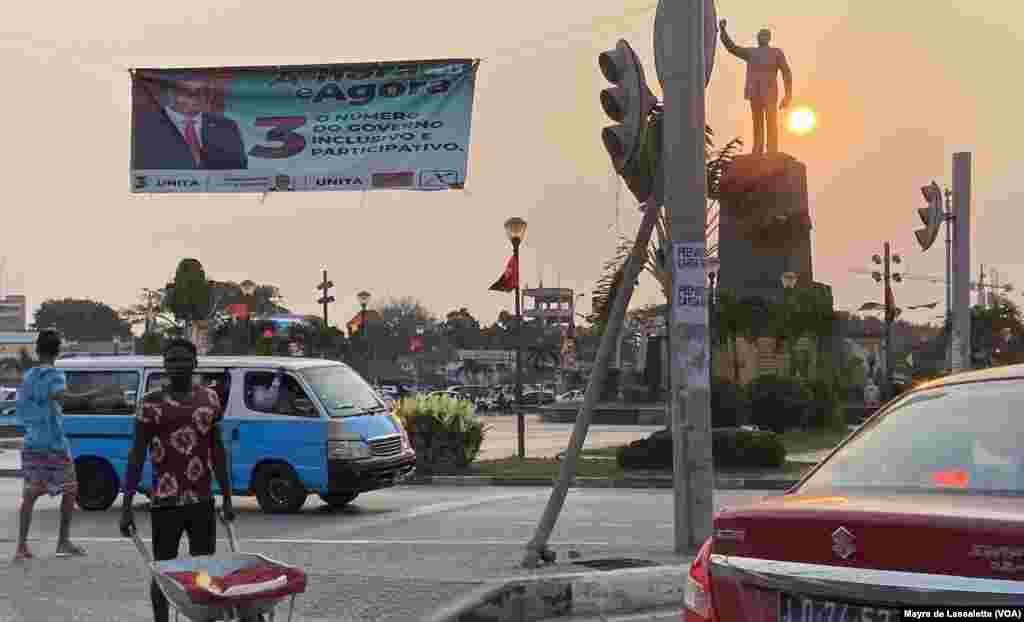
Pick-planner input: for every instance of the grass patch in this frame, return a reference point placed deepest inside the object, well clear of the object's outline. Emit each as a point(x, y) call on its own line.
point(603, 452)
point(803, 441)
point(543, 468)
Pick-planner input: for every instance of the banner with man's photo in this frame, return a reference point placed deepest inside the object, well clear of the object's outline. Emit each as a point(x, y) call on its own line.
point(365, 126)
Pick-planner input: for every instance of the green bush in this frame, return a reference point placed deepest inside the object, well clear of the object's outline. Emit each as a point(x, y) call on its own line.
point(730, 406)
point(731, 448)
point(778, 403)
point(823, 411)
point(747, 449)
point(445, 432)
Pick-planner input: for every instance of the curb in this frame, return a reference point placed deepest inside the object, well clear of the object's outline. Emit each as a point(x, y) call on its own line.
point(721, 483)
point(570, 594)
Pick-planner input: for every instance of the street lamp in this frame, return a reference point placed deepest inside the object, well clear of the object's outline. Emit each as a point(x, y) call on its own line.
point(515, 229)
point(712, 266)
point(364, 299)
point(248, 289)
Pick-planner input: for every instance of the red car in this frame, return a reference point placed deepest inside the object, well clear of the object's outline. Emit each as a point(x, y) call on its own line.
point(923, 506)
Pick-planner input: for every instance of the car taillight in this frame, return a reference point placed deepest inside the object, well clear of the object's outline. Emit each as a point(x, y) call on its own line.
point(697, 606)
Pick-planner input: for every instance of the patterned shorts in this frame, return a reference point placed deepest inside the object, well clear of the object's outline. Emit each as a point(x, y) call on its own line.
point(46, 472)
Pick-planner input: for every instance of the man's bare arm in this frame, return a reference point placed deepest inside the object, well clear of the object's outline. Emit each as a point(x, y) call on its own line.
point(136, 458)
point(787, 77)
point(220, 469)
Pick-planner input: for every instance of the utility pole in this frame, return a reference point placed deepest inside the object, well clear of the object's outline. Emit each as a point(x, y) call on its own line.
point(962, 259)
point(886, 277)
point(325, 299)
point(684, 62)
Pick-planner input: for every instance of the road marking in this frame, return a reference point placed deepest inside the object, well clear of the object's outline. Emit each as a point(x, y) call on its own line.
point(342, 542)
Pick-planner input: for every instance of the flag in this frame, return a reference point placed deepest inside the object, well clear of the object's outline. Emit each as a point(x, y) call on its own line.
point(509, 280)
point(240, 311)
point(416, 344)
point(354, 323)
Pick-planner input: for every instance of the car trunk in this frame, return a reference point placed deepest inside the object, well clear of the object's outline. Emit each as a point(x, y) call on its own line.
point(879, 552)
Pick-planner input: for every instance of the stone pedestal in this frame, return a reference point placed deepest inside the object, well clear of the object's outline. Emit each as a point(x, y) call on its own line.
point(764, 225)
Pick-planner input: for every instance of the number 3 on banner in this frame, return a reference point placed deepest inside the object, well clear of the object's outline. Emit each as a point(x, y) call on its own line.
point(282, 130)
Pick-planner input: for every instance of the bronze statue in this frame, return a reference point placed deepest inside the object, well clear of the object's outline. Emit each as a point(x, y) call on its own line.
point(762, 87)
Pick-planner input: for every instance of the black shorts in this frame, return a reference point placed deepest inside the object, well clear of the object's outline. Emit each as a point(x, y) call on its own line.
point(198, 520)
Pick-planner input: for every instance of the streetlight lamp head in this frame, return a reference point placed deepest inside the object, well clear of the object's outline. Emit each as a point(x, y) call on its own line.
point(877, 276)
point(248, 287)
point(789, 280)
point(896, 259)
point(876, 259)
point(515, 229)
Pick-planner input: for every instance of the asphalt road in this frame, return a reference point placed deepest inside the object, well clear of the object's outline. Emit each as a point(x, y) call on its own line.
point(393, 555)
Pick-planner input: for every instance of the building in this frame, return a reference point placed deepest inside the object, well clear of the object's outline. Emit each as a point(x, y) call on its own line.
point(12, 343)
point(13, 313)
point(553, 306)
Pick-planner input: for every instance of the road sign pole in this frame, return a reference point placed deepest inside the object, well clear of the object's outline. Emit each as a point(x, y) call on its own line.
point(681, 69)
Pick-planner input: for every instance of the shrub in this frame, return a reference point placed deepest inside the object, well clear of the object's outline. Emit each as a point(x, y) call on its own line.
point(445, 432)
point(823, 411)
point(778, 403)
point(730, 407)
point(731, 448)
point(747, 449)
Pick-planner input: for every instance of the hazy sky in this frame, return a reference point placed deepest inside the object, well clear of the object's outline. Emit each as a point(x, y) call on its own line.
point(898, 87)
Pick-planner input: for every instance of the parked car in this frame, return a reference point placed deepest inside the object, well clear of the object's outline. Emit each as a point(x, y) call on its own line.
point(533, 398)
point(570, 396)
point(923, 505)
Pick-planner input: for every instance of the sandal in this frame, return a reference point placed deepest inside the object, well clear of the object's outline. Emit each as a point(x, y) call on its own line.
point(70, 550)
point(23, 555)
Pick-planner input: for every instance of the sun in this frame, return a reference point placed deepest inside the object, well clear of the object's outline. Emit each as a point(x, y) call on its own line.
point(801, 121)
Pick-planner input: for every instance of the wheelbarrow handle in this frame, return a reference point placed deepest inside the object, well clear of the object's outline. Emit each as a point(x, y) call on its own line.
point(140, 545)
point(229, 527)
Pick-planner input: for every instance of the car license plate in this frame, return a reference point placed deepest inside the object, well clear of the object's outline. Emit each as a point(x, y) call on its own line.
point(806, 609)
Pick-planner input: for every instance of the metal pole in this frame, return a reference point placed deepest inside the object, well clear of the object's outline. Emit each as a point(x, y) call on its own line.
point(948, 217)
point(683, 85)
point(889, 312)
point(520, 416)
point(325, 298)
point(962, 257)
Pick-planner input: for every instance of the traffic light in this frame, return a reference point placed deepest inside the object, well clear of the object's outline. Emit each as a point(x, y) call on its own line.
point(932, 216)
point(629, 103)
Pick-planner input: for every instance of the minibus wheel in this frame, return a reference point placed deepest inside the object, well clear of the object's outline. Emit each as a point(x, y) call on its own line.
point(278, 489)
point(97, 484)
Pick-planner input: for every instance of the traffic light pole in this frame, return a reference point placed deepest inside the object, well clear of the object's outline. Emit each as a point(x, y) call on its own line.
point(683, 158)
point(890, 316)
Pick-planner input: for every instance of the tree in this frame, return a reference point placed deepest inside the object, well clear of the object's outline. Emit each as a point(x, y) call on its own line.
point(398, 321)
point(189, 298)
point(81, 319)
point(462, 329)
point(658, 250)
point(996, 332)
point(733, 320)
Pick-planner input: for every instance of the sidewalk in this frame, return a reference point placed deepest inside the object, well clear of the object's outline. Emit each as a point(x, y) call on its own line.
point(345, 583)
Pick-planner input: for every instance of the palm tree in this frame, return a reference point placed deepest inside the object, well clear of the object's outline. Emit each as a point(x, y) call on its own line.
point(655, 264)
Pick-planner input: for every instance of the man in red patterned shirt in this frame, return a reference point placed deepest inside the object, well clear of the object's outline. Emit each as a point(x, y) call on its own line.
point(178, 425)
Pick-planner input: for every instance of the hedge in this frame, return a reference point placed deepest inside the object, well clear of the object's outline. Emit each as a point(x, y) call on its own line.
point(731, 448)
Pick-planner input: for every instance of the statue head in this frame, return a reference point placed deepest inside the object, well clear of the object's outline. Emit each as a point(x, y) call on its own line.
point(764, 37)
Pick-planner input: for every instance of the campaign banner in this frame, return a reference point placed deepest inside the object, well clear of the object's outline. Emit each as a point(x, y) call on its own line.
point(365, 126)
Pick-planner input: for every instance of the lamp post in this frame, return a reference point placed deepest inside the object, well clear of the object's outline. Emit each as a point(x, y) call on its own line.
point(248, 289)
point(364, 299)
point(712, 268)
point(789, 280)
point(515, 229)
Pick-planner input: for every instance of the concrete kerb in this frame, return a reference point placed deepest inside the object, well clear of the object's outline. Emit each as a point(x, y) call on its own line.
point(721, 483)
point(529, 599)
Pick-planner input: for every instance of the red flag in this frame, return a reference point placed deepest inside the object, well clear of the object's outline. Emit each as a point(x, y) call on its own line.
point(416, 344)
point(240, 311)
point(509, 280)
